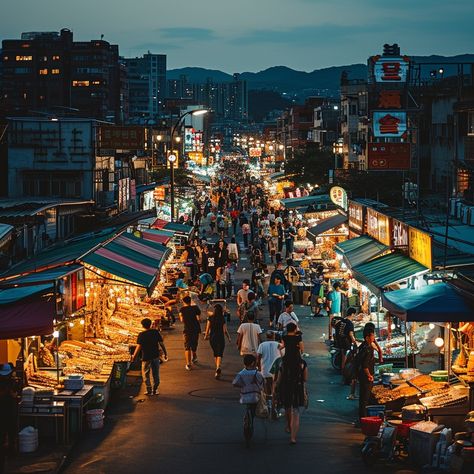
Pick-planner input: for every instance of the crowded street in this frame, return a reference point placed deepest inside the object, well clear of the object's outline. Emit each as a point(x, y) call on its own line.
point(209, 271)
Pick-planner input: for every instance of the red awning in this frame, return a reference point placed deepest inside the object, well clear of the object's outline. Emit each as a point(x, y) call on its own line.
point(30, 317)
point(156, 236)
point(159, 224)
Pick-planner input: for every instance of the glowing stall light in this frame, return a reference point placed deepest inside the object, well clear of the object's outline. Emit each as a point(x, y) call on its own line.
point(393, 326)
point(431, 326)
point(439, 342)
point(56, 334)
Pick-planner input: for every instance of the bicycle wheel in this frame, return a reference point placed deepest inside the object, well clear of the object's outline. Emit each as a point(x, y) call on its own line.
point(248, 426)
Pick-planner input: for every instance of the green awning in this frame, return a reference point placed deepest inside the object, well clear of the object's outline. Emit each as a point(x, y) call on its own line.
point(352, 244)
point(387, 270)
point(45, 276)
point(364, 253)
point(295, 203)
point(183, 229)
point(326, 224)
point(12, 295)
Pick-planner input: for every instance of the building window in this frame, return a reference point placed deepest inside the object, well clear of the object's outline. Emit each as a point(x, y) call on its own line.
point(56, 58)
point(96, 83)
point(5, 58)
point(24, 58)
point(470, 122)
point(55, 71)
point(43, 72)
point(80, 83)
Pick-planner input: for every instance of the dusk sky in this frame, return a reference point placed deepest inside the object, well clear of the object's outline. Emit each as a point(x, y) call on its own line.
point(251, 35)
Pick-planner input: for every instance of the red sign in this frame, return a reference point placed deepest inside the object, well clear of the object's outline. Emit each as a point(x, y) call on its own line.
point(390, 100)
point(389, 156)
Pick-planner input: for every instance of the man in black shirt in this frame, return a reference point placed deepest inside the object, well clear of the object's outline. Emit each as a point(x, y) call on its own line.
point(149, 342)
point(366, 365)
point(190, 316)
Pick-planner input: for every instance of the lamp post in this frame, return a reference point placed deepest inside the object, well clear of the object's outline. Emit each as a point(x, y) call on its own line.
point(172, 157)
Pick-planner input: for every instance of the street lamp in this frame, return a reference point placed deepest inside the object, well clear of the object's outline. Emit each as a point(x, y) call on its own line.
point(172, 158)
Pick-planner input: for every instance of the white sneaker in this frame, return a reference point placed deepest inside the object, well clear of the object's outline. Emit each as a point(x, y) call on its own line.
point(187, 367)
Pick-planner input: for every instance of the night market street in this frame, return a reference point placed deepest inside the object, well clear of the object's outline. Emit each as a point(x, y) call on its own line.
point(195, 424)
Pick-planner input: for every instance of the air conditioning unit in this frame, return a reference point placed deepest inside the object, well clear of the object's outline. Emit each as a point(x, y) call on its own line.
point(465, 213)
point(452, 206)
point(459, 206)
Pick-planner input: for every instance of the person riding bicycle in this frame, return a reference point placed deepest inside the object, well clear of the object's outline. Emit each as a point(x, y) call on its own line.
point(251, 383)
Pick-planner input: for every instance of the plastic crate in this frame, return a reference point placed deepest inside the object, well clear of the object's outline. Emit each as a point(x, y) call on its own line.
point(422, 446)
point(370, 425)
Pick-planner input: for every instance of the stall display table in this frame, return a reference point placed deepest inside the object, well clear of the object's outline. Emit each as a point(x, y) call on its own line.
point(77, 402)
point(54, 410)
point(301, 292)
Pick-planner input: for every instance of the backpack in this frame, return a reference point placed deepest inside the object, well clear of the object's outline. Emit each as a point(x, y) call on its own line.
point(353, 365)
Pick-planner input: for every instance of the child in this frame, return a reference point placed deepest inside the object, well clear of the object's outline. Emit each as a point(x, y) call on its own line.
point(250, 381)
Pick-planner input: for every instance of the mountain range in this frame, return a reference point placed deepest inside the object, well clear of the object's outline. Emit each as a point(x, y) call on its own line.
point(285, 80)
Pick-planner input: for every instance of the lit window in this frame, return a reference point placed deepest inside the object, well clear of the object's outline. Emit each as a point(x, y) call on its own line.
point(24, 58)
point(96, 83)
point(54, 71)
point(55, 58)
point(43, 72)
point(5, 58)
point(80, 83)
point(25, 45)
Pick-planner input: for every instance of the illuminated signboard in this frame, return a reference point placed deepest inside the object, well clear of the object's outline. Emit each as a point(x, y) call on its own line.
point(378, 227)
point(399, 234)
point(389, 124)
point(338, 196)
point(388, 156)
point(356, 216)
point(420, 246)
point(391, 69)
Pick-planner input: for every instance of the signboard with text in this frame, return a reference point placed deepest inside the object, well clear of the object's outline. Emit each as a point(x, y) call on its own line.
point(338, 196)
point(399, 234)
point(420, 246)
point(356, 216)
point(391, 69)
point(389, 124)
point(112, 137)
point(388, 156)
point(378, 227)
point(255, 152)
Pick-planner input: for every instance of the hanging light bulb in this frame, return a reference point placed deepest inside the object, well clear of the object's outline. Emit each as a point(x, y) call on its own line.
point(71, 324)
point(56, 333)
point(393, 326)
point(439, 342)
point(431, 326)
point(82, 322)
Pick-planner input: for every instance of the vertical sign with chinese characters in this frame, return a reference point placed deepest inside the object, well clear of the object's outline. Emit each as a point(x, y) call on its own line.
point(378, 227)
point(399, 235)
point(356, 217)
point(420, 246)
point(391, 69)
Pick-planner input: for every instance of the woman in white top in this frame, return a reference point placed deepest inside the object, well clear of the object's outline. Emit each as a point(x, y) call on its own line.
point(233, 251)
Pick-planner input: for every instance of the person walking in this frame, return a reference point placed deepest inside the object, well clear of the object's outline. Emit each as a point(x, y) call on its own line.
point(267, 353)
point(366, 365)
point(288, 316)
point(149, 342)
point(216, 331)
point(276, 295)
point(233, 251)
point(291, 380)
point(190, 316)
point(334, 302)
point(249, 336)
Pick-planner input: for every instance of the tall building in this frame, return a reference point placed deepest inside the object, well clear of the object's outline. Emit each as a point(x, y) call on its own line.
point(146, 87)
point(48, 72)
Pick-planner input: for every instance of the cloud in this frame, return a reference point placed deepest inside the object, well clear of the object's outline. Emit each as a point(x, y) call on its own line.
point(155, 46)
point(188, 33)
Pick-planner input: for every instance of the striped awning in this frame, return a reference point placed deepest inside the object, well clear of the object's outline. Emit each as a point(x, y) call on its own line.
point(181, 229)
point(158, 235)
point(130, 258)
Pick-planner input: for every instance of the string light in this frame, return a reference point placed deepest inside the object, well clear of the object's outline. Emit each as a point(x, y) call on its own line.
point(431, 326)
point(82, 322)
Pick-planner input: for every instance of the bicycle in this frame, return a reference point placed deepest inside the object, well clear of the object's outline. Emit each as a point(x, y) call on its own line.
point(248, 422)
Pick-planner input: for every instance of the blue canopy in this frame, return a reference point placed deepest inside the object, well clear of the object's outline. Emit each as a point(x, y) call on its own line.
point(439, 302)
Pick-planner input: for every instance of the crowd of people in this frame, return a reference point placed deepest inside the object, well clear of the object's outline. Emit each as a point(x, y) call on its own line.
point(237, 219)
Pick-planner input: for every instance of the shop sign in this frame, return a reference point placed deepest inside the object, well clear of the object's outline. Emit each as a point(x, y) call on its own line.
point(159, 193)
point(113, 137)
point(420, 246)
point(389, 124)
point(338, 196)
point(356, 216)
point(399, 234)
point(391, 69)
point(188, 139)
point(378, 227)
point(197, 157)
point(389, 156)
point(255, 152)
point(123, 193)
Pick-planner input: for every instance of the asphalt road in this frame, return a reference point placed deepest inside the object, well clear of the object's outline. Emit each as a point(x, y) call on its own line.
point(195, 424)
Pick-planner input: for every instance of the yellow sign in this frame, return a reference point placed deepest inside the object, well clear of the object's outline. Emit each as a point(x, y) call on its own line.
point(419, 244)
point(378, 226)
point(197, 157)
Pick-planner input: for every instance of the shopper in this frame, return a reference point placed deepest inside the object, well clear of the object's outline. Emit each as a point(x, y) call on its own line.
point(276, 295)
point(334, 301)
point(290, 235)
point(249, 336)
point(216, 332)
point(233, 251)
point(365, 364)
point(149, 342)
point(190, 316)
point(288, 316)
point(292, 377)
point(344, 334)
point(292, 341)
point(267, 353)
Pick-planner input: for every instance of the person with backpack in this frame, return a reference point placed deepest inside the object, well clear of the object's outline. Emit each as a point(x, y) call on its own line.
point(288, 316)
point(251, 306)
